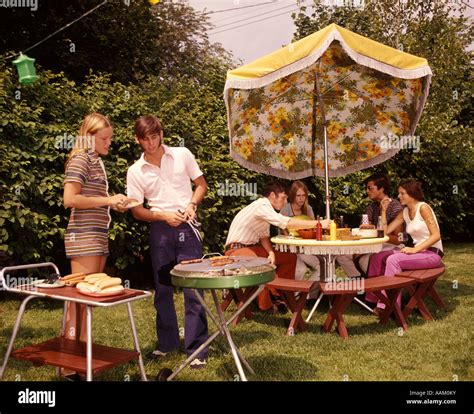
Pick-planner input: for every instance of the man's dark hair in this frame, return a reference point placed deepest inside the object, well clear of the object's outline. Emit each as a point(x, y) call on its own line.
point(273, 187)
point(381, 181)
point(147, 125)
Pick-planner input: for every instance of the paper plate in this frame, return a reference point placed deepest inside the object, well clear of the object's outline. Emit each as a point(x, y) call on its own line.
point(56, 284)
point(133, 204)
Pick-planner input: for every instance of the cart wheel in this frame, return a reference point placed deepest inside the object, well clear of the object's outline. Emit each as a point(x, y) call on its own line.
point(163, 374)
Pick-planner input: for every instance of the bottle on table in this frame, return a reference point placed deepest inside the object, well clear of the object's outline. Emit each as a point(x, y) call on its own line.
point(380, 231)
point(333, 231)
point(319, 230)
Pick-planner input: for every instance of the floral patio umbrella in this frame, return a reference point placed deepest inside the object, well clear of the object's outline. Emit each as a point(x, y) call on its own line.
point(326, 105)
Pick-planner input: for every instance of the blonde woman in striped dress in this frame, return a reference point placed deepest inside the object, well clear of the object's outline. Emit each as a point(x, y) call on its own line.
point(86, 193)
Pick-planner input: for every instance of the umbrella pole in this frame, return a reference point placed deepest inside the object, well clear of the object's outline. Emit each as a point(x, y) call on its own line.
point(317, 98)
point(326, 173)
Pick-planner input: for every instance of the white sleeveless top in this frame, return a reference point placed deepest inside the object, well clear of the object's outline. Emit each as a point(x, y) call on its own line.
point(417, 227)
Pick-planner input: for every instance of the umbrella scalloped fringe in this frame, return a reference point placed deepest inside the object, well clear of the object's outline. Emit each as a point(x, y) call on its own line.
point(312, 58)
point(288, 175)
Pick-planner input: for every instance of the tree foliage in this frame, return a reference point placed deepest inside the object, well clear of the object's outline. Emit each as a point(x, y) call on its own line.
point(159, 62)
point(439, 32)
point(127, 38)
point(37, 122)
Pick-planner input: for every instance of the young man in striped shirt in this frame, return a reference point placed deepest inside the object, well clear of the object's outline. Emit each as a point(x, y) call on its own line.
point(378, 189)
point(249, 234)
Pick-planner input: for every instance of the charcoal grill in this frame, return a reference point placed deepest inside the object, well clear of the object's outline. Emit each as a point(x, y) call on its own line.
point(245, 272)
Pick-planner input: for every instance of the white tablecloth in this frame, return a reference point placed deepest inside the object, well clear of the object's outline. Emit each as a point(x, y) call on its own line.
point(310, 246)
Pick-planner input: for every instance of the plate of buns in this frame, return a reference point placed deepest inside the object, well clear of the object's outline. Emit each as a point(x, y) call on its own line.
point(100, 285)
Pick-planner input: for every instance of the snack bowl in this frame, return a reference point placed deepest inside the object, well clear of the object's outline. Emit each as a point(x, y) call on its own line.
point(294, 232)
point(307, 233)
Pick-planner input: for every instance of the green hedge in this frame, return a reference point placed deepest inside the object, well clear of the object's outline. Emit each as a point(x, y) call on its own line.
point(33, 219)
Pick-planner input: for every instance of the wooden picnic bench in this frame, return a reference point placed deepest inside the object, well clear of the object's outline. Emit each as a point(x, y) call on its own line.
point(424, 280)
point(344, 293)
point(239, 296)
point(287, 288)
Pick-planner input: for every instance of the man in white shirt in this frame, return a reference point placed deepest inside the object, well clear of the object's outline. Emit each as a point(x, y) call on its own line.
point(163, 177)
point(249, 234)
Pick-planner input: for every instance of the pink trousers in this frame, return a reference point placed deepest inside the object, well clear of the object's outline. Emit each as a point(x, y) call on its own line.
point(391, 262)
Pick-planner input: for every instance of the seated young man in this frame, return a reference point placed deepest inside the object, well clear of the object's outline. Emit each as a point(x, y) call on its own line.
point(249, 234)
point(378, 188)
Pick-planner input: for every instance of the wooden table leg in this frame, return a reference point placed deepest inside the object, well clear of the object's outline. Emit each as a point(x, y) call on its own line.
point(417, 301)
point(301, 325)
point(382, 296)
point(241, 298)
point(341, 326)
point(228, 300)
point(234, 295)
point(437, 299)
point(394, 307)
point(336, 312)
point(327, 326)
point(296, 307)
point(238, 296)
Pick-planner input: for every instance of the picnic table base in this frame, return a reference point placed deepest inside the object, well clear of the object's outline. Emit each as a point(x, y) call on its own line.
point(343, 297)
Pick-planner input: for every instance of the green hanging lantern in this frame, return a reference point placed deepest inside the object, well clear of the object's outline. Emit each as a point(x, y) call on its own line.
point(26, 69)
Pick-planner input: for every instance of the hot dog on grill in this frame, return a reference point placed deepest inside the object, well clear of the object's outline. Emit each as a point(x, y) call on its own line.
point(190, 261)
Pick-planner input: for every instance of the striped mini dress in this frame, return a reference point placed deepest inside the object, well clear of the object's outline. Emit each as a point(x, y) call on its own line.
point(87, 230)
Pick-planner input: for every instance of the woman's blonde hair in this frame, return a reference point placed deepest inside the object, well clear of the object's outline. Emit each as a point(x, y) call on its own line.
point(299, 185)
point(92, 123)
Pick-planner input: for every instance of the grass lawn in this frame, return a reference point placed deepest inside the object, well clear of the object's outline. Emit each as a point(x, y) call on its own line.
point(441, 350)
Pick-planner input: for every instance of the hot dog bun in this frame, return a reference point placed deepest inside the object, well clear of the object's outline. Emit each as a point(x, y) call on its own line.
point(111, 281)
point(93, 277)
point(88, 287)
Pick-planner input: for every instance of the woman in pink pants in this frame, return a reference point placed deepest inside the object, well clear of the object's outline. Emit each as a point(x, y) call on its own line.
point(421, 225)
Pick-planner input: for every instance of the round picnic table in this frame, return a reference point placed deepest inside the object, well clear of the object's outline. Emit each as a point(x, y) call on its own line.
point(329, 250)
